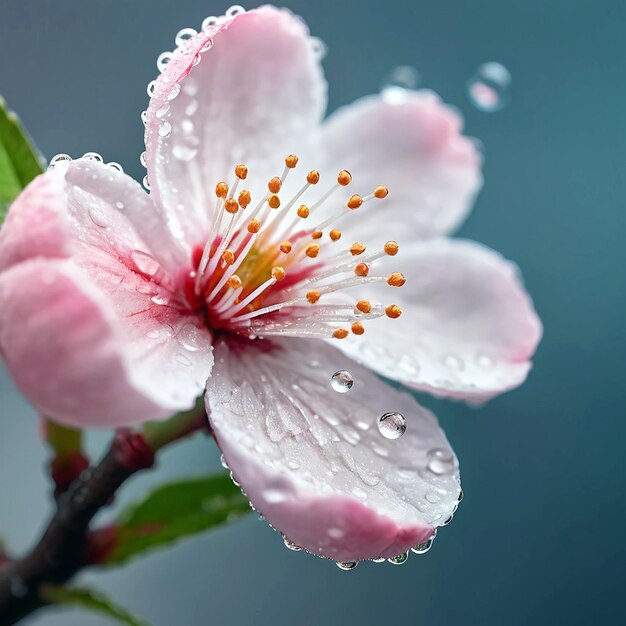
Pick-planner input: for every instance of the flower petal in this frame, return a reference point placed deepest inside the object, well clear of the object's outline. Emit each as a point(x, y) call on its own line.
point(313, 461)
point(258, 86)
point(468, 328)
point(414, 146)
point(81, 365)
point(85, 328)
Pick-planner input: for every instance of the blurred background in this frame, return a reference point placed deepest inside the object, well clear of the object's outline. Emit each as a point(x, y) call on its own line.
point(539, 538)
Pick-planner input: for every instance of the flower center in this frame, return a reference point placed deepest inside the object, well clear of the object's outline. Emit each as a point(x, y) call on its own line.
point(270, 267)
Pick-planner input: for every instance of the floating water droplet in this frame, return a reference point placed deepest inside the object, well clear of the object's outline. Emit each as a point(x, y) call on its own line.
point(392, 425)
point(423, 548)
point(209, 22)
point(490, 88)
point(346, 565)
point(441, 461)
point(291, 545)
point(151, 88)
point(165, 129)
point(93, 156)
point(184, 35)
point(400, 559)
point(399, 83)
point(163, 59)
point(145, 262)
point(342, 381)
point(59, 158)
point(236, 9)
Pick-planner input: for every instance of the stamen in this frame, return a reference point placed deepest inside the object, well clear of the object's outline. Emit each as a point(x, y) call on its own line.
point(357, 328)
point(340, 333)
point(361, 269)
point(335, 234)
point(396, 280)
point(312, 250)
point(313, 296)
point(357, 248)
point(285, 247)
point(364, 306)
point(393, 311)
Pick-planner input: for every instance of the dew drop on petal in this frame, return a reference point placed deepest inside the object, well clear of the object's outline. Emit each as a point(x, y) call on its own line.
point(183, 152)
point(490, 88)
point(146, 183)
point(381, 560)
point(342, 381)
point(184, 35)
point(400, 559)
point(209, 22)
point(116, 166)
point(151, 88)
point(441, 462)
point(291, 545)
point(484, 361)
point(392, 425)
point(163, 59)
point(346, 565)
point(119, 205)
point(163, 110)
point(318, 47)
point(423, 548)
point(144, 262)
point(142, 159)
point(236, 9)
point(165, 129)
point(93, 156)
point(59, 158)
point(174, 92)
point(144, 117)
point(453, 362)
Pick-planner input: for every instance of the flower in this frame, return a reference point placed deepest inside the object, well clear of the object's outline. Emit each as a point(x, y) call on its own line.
point(262, 222)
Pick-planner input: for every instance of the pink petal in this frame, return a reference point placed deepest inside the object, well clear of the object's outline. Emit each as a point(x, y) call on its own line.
point(313, 461)
point(259, 86)
point(416, 149)
point(468, 328)
point(65, 349)
point(85, 326)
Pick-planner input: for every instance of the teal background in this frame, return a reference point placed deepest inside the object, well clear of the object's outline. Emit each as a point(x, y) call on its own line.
point(539, 537)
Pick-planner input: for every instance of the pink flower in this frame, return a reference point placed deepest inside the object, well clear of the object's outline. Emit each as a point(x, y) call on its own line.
point(117, 306)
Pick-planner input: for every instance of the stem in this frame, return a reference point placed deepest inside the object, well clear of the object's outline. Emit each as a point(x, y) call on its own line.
point(62, 549)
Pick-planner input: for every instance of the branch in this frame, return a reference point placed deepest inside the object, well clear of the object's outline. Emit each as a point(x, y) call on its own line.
point(62, 549)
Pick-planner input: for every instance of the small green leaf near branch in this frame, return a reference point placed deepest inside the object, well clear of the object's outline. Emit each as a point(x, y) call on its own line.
point(90, 600)
point(170, 513)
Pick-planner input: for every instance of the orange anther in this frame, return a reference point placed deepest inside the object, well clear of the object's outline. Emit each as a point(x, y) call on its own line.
point(241, 171)
point(335, 234)
point(391, 248)
point(275, 184)
point(285, 247)
point(313, 296)
point(231, 205)
point(228, 257)
point(316, 234)
point(312, 250)
point(364, 306)
point(313, 177)
point(274, 201)
point(396, 280)
point(344, 178)
point(221, 190)
point(234, 282)
point(381, 192)
point(303, 211)
point(244, 199)
point(340, 333)
point(291, 161)
point(393, 311)
point(357, 248)
point(357, 328)
point(254, 226)
point(278, 273)
point(361, 269)
point(354, 202)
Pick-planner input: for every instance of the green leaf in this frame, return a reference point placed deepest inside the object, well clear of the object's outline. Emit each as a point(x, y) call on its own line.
point(90, 600)
point(174, 511)
point(19, 161)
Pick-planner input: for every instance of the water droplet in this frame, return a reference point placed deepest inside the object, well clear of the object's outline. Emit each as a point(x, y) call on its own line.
point(160, 300)
point(209, 22)
point(447, 521)
point(93, 156)
point(274, 496)
point(163, 110)
point(59, 158)
point(318, 47)
point(116, 166)
point(490, 88)
point(392, 425)
point(291, 545)
point(165, 129)
point(400, 559)
point(182, 359)
point(236, 9)
point(163, 59)
point(346, 565)
point(399, 83)
point(174, 92)
point(223, 462)
point(183, 152)
point(460, 495)
point(151, 88)
point(98, 217)
point(192, 338)
point(144, 262)
point(441, 461)
point(381, 560)
point(146, 183)
point(208, 44)
point(453, 362)
point(144, 117)
point(342, 381)
point(119, 205)
point(142, 159)
point(423, 548)
point(293, 464)
point(184, 35)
